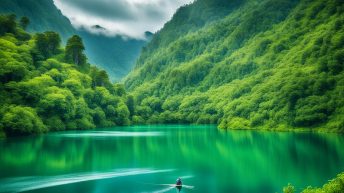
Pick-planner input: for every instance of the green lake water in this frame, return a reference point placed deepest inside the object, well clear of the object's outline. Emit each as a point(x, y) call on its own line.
point(148, 158)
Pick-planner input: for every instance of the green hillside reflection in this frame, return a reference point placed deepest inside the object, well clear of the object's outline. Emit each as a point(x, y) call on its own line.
point(217, 161)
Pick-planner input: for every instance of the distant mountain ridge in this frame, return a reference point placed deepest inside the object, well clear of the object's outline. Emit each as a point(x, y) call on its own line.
point(43, 14)
point(114, 54)
point(119, 54)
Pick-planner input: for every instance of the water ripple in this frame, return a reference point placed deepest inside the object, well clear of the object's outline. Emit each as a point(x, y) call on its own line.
point(21, 184)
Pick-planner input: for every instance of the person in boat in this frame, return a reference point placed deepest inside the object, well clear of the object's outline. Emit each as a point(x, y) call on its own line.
point(179, 184)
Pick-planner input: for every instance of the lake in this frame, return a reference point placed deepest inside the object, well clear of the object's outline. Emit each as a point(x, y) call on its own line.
point(149, 158)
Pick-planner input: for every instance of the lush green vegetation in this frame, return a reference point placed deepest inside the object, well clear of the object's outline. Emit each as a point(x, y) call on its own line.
point(46, 87)
point(113, 54)
point(276, 64)
point(333, 186)
point(42, 13)
point(244, 65)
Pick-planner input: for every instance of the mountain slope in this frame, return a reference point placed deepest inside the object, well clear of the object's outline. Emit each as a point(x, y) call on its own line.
point(114, 54)
point(43, 15)
point(272, 64)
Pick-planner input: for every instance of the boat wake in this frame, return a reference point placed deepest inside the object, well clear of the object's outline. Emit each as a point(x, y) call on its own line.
point(171, 186)
point(21, 184)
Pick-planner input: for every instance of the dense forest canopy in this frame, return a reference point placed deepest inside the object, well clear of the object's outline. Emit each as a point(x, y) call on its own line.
point(46, 87)
point(239, 64)
point(272, 64)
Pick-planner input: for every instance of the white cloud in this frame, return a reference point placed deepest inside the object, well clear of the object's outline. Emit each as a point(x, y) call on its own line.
point(131, 18)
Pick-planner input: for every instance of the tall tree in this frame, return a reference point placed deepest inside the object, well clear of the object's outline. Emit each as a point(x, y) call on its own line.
point(99, 77)
point(24, 22)
point(131, 105)
point(7, 24)
point(47, 43)
point(74, 51)
point(54, 41)
point(41, 44)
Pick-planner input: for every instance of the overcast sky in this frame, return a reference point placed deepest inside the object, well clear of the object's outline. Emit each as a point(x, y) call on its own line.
point(120, 17)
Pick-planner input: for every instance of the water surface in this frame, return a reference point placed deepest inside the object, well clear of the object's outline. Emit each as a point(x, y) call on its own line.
point(148, 158)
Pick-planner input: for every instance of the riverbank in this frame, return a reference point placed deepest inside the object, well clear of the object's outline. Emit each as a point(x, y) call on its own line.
point(289, 129)
point(333, 186)
point(258, 129)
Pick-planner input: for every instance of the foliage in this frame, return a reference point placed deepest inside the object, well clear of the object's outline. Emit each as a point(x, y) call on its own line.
point(24, 22)
point(47, 43)
point(22, 120)
point(8, 24)
point(116, 55)
point(335, 185)
point(289, 189)
point(43, 16)
point(40, 93)
point(74, 51)
point(268, 65)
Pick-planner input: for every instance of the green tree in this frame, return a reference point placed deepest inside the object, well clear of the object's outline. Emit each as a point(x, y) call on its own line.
point(131, 105)
point(59, 102)
point(153, 102)
point(55, 123)
point(99, 78)
point(24, 22)
point(20, 120)
point(289, 189)
point(47, 43)
point(13, 71)
point(74, 51)
point(99, 117)
point(119, 89)
point(122, 115)
point(54, 41)
point(41, 44)
point(7, 24)
point(102, 78)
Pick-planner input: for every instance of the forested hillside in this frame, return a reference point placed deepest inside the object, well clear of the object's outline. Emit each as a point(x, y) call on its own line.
point(270, 64)
point(43, 16)
point(45, 87)
point(114, 54)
